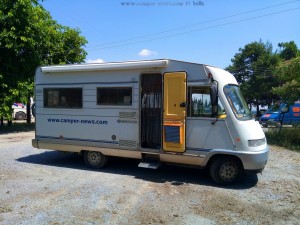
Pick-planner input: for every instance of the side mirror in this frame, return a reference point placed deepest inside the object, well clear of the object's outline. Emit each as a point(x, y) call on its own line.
point(214, 99)
point(284, 109)
point(213, 95)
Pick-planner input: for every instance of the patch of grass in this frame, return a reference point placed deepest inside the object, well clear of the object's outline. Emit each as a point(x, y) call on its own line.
point(287, 137)
point(17, 127)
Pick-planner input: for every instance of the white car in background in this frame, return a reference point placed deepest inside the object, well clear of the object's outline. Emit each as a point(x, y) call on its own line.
point(19, 111)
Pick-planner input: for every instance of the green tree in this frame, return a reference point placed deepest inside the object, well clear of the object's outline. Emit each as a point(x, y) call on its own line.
point(29, 37)
point(288, 73)
point(253, 66)
point(288, 50)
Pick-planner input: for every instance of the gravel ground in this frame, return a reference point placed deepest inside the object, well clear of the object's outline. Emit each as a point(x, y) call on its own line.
point(48, 187)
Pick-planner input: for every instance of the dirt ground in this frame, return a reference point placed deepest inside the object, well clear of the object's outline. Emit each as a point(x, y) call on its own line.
point(48, 187)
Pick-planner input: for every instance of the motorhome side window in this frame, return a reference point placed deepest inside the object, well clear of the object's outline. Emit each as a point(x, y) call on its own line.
point(114, 96)
point(63, 97)
point(200, 103)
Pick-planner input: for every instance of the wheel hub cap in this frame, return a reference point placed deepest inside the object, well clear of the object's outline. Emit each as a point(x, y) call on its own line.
point(94, 158)
point(228, 171)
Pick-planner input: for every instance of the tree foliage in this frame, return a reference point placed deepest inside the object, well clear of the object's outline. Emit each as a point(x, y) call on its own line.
point(266, 75)
point(288, 73)
point(253, 66)
point(29, 37)
point(288, 50)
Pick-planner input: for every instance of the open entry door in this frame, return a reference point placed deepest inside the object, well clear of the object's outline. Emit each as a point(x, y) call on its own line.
point(174, 112)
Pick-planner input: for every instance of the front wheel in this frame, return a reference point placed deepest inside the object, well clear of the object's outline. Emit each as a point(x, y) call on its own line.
point(225, 170)
point(94, 159)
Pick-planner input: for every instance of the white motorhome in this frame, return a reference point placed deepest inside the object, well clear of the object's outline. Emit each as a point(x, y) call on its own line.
point(159, 111)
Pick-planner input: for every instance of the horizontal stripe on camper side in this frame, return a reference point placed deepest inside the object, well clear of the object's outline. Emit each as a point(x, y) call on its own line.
point(79, 139)
point(78, 115)
point(67, 84)
point(199, 149)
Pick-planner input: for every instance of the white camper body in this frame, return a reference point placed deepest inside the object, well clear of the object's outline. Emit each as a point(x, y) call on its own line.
point(157, 111)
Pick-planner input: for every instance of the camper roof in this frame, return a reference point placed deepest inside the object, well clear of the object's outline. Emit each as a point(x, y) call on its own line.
point(161, 63)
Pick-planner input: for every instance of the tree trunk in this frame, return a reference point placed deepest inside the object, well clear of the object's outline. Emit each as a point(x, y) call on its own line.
point(9, 121)
point(28, 109)
point(2, 122)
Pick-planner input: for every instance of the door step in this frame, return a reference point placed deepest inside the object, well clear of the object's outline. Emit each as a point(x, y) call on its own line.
point(150, 161)
point(149, 165)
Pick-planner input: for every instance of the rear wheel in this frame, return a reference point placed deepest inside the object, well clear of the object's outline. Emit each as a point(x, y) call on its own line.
point(20, 116)
point(225, 170)
point(94, 159)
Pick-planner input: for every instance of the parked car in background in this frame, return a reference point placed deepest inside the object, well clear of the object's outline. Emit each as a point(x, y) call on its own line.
point(20, 111)
point(287, 114)
point(256, 115)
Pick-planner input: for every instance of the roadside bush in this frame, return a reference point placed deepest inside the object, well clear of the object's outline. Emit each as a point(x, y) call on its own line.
point(287, 137)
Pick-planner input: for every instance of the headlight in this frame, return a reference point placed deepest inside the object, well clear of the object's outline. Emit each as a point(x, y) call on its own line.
point(256, 143)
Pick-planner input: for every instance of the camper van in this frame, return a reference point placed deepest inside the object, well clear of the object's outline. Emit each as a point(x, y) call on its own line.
point(158, 111)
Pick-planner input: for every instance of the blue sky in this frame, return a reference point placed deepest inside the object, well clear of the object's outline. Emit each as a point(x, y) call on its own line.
point(207, 31)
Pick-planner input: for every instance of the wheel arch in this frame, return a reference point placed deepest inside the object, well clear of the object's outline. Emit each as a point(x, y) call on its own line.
point(219, 155)
point(82, 151)
point(225, 169)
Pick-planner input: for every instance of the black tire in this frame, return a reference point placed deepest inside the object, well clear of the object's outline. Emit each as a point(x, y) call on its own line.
point(226, 170)
point(20, 116)
point(94, 160)
point(33, 109)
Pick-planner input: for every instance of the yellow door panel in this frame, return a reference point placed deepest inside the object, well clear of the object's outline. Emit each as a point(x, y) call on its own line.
point(174, 112)
point(174, 94)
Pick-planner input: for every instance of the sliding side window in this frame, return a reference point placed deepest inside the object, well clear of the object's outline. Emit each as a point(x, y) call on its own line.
point(63, 97)
point(114, 96)
point(200, 103)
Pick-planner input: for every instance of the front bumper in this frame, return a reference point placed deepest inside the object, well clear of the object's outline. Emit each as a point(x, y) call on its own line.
point(254, 161)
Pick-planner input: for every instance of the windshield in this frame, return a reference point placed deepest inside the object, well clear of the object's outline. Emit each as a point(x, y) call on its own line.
point(276, 108)
point(237, 102)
